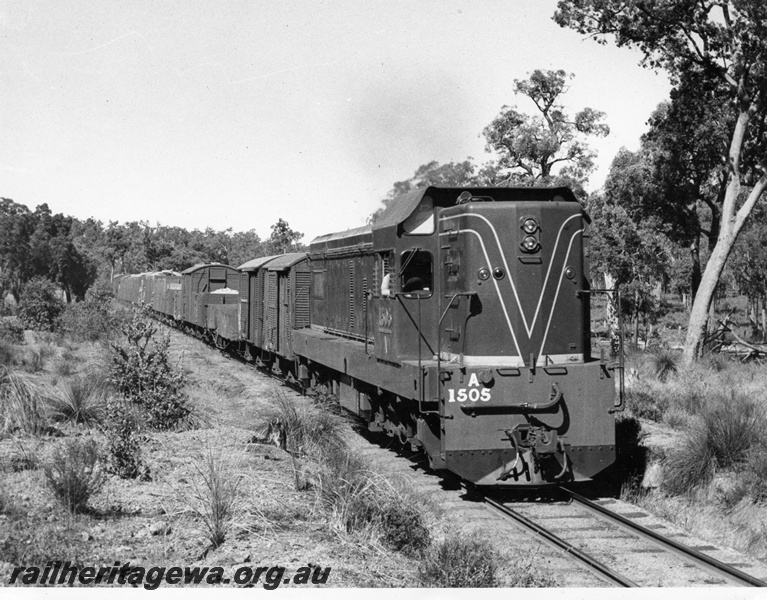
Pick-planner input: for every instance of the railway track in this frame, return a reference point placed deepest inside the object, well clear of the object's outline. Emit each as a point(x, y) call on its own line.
point(618, 549)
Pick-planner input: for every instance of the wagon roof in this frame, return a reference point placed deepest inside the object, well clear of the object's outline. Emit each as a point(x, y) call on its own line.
point(199, 266)
point(285, 261)
point(255, 263)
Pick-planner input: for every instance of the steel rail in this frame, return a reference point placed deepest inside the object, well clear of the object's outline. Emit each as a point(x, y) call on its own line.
point(603, 571)
point(704, 560)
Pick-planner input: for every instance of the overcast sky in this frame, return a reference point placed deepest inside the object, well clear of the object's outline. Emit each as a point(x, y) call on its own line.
point(236, 113)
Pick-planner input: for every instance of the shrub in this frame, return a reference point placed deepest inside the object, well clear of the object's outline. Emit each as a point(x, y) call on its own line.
point(216, 499)
point(642, 402)
point(732, 428)
point(459, 562)
point(665, 362)
point(7, 354)
point(33, 361)
point(310, 432)
point(75, 472)
point(93, 319)
point(403, 527)
point(22, 404)
point(11, 330)
point(142, 373)
point(80, 401)
point(124, 441)
point(40, 305)
point(689, 465)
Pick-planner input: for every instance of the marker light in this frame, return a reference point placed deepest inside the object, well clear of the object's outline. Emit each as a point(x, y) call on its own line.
point(530, 226)
point(498, 273)
point(483, 274)
point(529, 244)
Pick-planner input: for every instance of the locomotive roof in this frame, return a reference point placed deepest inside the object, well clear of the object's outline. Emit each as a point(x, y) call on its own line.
point(200, 266)
point(331, 240)
point(402, 207)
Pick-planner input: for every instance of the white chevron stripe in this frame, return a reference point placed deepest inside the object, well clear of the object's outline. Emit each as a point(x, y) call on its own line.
point(529, 328)
point(559, 287)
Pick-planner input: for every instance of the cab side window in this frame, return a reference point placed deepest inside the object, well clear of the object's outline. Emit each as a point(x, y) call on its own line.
point(417, 274)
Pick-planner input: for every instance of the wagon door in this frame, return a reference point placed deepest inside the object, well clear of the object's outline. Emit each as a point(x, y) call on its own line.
point(284, 319)
point(272, 311)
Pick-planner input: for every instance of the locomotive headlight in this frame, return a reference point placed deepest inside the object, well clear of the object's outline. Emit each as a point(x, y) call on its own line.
point(483, 274)
point(530, 226)
point(529, 244)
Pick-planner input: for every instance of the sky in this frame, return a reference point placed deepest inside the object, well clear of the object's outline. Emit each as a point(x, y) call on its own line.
point(234, 114)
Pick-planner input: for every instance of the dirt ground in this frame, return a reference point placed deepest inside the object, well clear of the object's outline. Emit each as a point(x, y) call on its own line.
point(151, 523)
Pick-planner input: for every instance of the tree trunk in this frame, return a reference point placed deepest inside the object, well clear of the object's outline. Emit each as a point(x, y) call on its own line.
point(731, 225)
point(695, 258)
point(611, 311)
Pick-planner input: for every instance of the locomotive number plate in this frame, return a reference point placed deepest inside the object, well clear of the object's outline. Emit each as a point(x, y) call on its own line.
point(470, 394)
point(474, 393)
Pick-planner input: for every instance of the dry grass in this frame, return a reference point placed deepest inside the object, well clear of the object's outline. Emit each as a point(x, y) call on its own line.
point(459, 562)
point(75, 471)
point(214, 496)
point(23, 404)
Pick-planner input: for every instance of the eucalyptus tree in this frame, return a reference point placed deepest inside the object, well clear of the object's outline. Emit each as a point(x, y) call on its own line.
point(549, 145)
point(726, 40)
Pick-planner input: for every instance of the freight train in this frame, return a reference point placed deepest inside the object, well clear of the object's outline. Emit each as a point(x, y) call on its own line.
point(458, 322)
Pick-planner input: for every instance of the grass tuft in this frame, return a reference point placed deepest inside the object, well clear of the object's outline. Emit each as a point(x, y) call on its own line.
point(75, 472)
point(665, 362)
point(22, 404)
point(459, 562)
point(82, 400)
point(215, 497)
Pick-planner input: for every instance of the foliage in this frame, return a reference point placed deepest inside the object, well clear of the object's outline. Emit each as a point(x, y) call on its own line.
point(124, 441)
point(11, 330)
point(40, 306)
point(402, 523)
point(75, 472)
point(633, 253)
point(283, 239)
point(74, 253)
point(22, 404)
point(93, 319)
point(459, 561)
point(722, 42)
point(8, 357)
point(142, 373)
point(529, 148)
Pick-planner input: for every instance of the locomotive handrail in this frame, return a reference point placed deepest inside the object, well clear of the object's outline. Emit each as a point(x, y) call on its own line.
point(473, 410)
point(620, 367)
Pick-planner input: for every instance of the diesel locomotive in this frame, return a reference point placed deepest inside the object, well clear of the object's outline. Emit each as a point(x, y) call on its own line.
point(458, 322)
